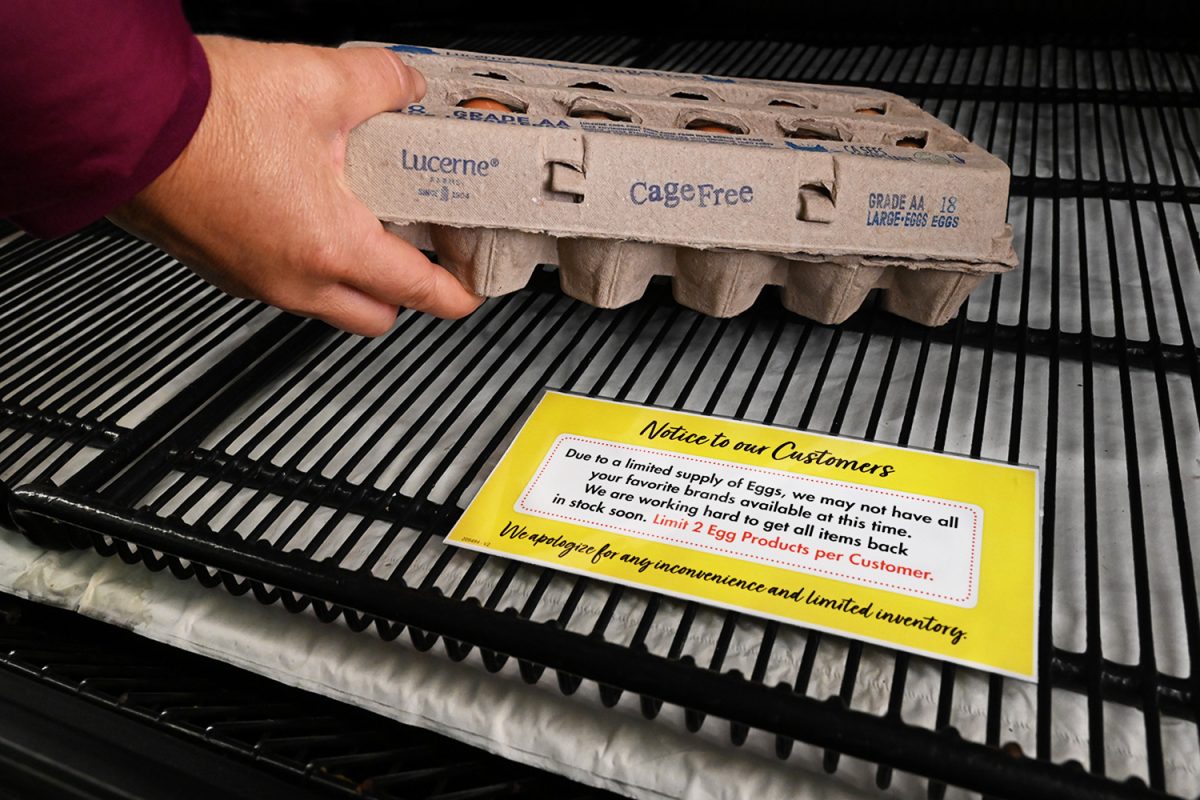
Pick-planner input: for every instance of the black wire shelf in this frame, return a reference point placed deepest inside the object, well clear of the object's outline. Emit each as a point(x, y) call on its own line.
point(341, 751)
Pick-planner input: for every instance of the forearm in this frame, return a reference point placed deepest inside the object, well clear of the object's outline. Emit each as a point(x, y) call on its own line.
point(97, 99)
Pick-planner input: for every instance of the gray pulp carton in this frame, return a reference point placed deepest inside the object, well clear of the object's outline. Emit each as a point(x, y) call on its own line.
point(727, 185)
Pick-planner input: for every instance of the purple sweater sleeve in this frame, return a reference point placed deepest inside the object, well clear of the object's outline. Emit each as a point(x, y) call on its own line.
point(97, 99)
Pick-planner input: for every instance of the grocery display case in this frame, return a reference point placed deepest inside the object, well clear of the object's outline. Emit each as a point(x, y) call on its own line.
point(148, 418)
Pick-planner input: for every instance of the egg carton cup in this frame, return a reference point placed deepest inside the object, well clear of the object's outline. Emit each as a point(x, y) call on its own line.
point(610, 273)
point(725, 185)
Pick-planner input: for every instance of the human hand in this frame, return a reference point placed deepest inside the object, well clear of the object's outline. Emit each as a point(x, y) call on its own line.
point(257, 203)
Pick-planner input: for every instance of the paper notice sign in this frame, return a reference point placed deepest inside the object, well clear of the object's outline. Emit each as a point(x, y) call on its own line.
point(925, 552)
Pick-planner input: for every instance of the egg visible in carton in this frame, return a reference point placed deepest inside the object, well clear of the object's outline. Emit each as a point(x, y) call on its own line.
point(617, 175)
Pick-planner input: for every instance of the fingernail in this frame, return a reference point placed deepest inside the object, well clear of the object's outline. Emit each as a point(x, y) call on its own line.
point(418, 82)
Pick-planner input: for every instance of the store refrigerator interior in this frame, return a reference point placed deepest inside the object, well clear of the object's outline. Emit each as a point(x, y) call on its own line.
point(251, 507)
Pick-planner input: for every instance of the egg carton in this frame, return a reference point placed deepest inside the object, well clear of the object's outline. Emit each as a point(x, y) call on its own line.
point(726, 185)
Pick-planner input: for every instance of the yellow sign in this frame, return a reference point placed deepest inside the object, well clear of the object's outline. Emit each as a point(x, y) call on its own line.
point(930, 553)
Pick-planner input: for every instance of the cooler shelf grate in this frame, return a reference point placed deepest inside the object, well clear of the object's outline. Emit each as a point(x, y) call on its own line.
point(347, 752)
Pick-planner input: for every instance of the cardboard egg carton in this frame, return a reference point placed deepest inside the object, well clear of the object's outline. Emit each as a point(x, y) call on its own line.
point(726, 185)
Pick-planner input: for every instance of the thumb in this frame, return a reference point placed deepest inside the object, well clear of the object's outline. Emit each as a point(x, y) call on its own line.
point(376, 81)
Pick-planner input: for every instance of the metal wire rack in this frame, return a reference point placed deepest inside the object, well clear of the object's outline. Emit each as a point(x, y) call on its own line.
point(321, 471)
point(339, 749)
point(85, 350)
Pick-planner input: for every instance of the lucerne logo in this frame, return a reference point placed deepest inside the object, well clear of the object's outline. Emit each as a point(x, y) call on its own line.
point(447, 165)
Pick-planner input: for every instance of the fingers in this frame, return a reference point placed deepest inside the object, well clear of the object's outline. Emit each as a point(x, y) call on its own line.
point(376, 81)
point(419, 85)
point(393, 271)
point(356, 312)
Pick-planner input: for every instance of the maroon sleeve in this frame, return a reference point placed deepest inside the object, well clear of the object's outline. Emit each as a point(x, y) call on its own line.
point(97, 99)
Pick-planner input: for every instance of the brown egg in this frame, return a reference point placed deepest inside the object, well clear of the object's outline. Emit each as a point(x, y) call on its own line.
point(485, 104)
point(915, 144)
point(712, 127)
point(594, 115)
point(877, 112)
